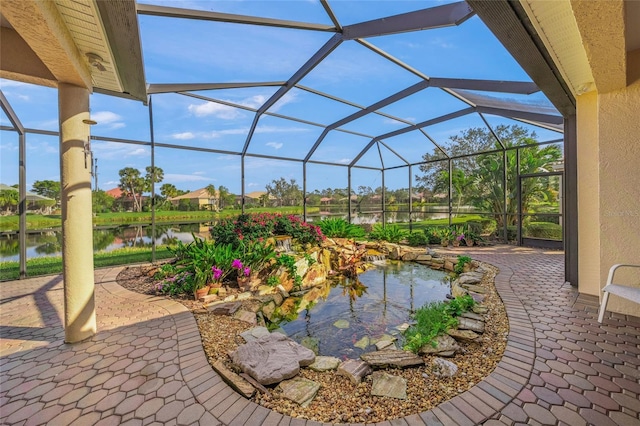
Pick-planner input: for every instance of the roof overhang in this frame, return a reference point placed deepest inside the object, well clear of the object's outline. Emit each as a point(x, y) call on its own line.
point(87, 43)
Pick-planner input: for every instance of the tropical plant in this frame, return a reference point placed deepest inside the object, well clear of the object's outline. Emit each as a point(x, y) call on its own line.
point(9, 199)
point(289, 263)
point(391, 233)
point(462, 260)
point(47, 188)
point(417, 238)
point(434, 319)
point(340, 228)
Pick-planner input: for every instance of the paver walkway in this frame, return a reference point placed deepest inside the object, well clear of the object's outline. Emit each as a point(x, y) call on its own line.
point(147, 366)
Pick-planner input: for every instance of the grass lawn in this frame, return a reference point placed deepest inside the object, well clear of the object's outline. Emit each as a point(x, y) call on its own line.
point(53, 265)
point(36, 221)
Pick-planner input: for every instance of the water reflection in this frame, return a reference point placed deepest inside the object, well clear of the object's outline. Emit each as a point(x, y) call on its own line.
point(49, 242)
point(345, 312)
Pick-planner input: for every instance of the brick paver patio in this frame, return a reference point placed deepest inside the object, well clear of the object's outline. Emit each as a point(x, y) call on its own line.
point(147, 366)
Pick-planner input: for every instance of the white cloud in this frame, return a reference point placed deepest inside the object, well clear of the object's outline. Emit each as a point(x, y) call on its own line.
point(107, 118)
point(252, 184)
point(114, 150)
point(274, 145)
point(183, 135)
point(199, 173)
point(217, 110)
point(218, 133)
point(276, 129)
point(396, 122)
point(344, 161)
point(181, 178)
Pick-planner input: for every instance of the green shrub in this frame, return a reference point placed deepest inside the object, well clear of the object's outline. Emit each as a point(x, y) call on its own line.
point(431, 321)
point(512, 233)
point(391, 233)
point(340, 228)
point(417, 238)
point(545, 230)
point(260, 226)
point(462, 260)
point(434, 234)
point(460, 305)
point(434, 319)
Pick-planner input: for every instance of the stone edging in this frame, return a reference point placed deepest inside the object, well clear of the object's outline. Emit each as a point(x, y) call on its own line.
point(474, 406)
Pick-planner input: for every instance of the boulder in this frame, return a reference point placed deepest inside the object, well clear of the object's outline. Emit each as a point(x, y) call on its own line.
point(254, 333)
point(444, 368)
point(457, 290)
point(266, 289)
point(408, 257)
point(443, 345)
point(478, 298)
point(395, 253)
point(325, 363)
point(470, 278)
point(299, 390)
point(424, 258)
point(470, 324)
point(272, 358)
point(269, 309)
point(316, 275)
point(392, 358)
point(448, 265)
point(387, 385)
point(354, 369)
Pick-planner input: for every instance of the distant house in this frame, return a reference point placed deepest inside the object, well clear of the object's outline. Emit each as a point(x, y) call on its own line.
point(256, 199)
point(124, 200)
point(200, 199)
point(35, 202)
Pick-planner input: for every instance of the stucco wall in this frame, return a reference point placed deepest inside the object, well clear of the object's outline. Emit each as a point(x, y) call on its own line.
point(619, 180)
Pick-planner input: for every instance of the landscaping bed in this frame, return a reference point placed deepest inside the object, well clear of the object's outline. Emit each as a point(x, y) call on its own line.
point(338, 395)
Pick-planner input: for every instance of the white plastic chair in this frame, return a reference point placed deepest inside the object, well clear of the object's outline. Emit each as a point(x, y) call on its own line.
point(624, 291)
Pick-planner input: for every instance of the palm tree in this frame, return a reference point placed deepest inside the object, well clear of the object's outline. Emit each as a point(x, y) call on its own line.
point(211, 189)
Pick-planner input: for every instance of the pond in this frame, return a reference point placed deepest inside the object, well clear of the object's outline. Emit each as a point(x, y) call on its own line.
point(344, 318)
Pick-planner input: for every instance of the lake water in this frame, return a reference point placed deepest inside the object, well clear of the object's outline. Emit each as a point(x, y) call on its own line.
point(49, 242)
point(384, 299)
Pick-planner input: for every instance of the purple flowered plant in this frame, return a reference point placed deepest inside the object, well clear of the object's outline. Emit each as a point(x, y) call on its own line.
point(217, 273)
point(460, 237)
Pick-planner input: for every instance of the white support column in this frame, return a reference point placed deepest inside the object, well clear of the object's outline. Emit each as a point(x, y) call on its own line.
point(77, 240)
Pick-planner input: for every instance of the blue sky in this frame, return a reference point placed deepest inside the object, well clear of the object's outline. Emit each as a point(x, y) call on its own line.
point(188, 51)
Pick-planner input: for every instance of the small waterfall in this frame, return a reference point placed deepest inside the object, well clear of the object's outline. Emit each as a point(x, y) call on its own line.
point(374, 256)
point(283, 244)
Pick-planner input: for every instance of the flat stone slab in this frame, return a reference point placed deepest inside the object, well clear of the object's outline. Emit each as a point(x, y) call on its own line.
point(224, 308)
point(299, 390)
point(246, 316)
point(362, 343)
point(273, 358)
point(389, 386)
point(236, 382)
point(254, 333)
point(382, 345)
point(444, 345)
point(355, 370)
point(472, 315)
point(470, 278)
point(444, 368)
point(392, 358)
point(479, 309)
point(325, 363)
point(465, 323)
point(463, 335)
point(341, 323)
point(475, 288)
